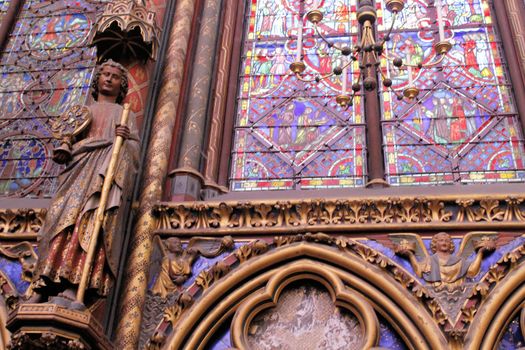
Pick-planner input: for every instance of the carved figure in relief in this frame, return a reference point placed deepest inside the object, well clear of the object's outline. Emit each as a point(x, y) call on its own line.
point(177, 261)
point(66, 233)
point(444, 270)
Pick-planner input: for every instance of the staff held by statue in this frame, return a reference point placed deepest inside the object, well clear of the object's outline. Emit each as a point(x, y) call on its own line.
point(100, 213)
point(81, 241)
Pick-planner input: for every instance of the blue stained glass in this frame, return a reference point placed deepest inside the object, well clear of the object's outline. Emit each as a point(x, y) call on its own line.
point(286, 129)
point(513, 337)
point(462, 127)
point(46, 67)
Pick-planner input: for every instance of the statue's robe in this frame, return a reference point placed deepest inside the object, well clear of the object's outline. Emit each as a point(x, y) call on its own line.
point(449, 273)
point(65, 235)
point(174, 270)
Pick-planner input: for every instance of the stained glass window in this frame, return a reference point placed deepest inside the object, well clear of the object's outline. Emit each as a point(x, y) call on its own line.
point(45, 68)
point(290, 134)
point(4, 5)
point(463, 127)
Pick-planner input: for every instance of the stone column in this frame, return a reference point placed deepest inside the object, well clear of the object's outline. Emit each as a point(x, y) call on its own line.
point(188, 180)
point(220, 97)
point(154, 176)
point(515, 13)
point(513, 62)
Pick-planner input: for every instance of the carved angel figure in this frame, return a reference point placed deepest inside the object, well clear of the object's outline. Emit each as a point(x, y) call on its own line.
point(177, 262)
point(444, 269)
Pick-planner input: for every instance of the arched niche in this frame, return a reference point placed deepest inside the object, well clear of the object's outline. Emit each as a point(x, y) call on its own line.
point(501, 307)
point(361, 288)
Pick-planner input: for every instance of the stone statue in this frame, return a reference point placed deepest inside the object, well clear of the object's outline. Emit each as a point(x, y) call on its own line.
point(177, 261)
point(444, 270)
point(65, 236)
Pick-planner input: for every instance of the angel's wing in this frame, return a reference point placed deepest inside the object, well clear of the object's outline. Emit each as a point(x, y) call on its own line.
point(210, 247)
point(471, 239)
point(161, 244)
point(411, 240)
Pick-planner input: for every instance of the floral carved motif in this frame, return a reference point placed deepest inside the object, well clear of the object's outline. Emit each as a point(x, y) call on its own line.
point(334, 215)
point(21, 221)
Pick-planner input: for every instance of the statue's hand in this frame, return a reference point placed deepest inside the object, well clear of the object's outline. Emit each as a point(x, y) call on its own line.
point(404, 248)
point(61, 158)
point(122, 131)
point(485, 245)
point(62, 155)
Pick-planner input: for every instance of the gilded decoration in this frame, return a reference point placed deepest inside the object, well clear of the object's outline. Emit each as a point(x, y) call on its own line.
point(57, 328)
point(21, 223)
point(451, 307)
point(154, 175)
point(438, 213)
point(175, 268)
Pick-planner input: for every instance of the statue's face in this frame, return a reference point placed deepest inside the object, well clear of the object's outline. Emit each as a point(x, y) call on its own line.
point(109, 81)
point(443, 242)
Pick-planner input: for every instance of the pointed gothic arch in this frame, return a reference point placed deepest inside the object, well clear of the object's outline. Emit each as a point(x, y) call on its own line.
point(387, 297)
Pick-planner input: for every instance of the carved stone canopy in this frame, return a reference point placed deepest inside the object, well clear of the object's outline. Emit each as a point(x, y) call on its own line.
point(126, 28)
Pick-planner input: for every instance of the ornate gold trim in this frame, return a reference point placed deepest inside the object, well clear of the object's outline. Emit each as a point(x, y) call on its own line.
point(154, 176)
point(21, 224)
point(335, 215)
point(304, 270)
point(195, 325)
point(506, 299)
point(53, 326)
point(522, 321)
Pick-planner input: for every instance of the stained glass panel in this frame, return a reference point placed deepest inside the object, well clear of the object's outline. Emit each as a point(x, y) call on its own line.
point(4, 5)
point(290, 134)
point(45, 68)
point(463, 126)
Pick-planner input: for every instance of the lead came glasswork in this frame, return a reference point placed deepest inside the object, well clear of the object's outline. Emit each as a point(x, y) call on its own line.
point(291, 134)
point(464, 126)
point(45, 68)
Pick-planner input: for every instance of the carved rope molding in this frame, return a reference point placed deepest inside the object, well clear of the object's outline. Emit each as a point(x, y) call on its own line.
point(332, 215)
point(21, 223)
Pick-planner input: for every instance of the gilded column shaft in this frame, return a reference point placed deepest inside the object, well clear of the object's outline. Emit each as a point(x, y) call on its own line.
point(194, 128)
point(154, 175)
point(221, 93)
point(515, 12)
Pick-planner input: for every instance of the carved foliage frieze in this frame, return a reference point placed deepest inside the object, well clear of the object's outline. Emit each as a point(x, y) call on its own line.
point(333, 215)
point(21, 221)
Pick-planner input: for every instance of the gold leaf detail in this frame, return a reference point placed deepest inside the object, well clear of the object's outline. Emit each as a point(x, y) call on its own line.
point(469, 314)
point(489, 211)
point(204, 279)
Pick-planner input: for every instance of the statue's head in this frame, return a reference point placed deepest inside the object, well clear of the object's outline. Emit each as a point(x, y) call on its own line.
point(174, 245)
point(123, 81)
point(442, 242)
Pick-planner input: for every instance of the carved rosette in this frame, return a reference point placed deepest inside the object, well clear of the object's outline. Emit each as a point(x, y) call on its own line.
point(127, 28)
